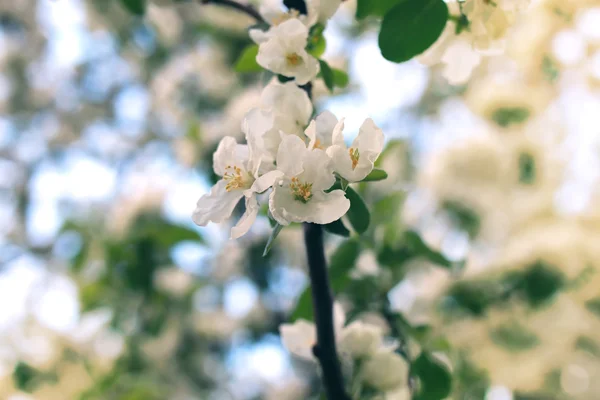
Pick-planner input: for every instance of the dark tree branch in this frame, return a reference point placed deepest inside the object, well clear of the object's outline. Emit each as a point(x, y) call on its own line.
point(245, 8)
point(325, 348)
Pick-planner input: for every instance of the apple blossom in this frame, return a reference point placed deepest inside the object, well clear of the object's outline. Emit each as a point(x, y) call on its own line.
point(283, 108)
point(300, 195)
point(385, 371)
point(360, 339)
point(239, 166)
point(282, 50)
point(356, 162)
point(300, 337)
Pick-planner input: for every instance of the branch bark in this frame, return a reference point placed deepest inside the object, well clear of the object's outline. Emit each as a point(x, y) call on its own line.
point(325, 349)
point(245, 8)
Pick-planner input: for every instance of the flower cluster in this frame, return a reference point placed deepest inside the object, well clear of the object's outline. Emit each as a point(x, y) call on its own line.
point(300, 163)
point(479, 28)
point(376, 364)
point(282, 48)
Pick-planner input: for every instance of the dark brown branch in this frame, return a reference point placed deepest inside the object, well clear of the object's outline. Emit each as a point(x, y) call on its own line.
point(245, 8)
point(325, 348)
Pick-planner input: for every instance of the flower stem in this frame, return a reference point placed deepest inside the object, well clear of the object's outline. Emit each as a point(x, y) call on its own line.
point(325, 348)
point(245, 8)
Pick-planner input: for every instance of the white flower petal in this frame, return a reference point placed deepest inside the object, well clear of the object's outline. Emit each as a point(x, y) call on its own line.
point(216, 206)
point(369, 139)
point(247, 218)
point(360, 339)
point(229, 153)
point(385, 371)
point(322, 208)
point(264, 182)
point(299, 338)
point(290, 155)
point(318, 170)
point(310, 69)
point(259, 36)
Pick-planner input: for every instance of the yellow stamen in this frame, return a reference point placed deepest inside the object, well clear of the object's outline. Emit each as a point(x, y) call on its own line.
point(293, 59)
point(318, 144)
point(233, 177)
point(301, 191)
point(354, 156)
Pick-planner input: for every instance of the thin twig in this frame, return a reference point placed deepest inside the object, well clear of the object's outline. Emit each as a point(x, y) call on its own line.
point(245, 8)
point(325, 348)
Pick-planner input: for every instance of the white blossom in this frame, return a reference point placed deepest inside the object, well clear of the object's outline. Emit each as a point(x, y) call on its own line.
point(239, 167)
point(275, 13)
point(356, 162)
point(282, 50)
point(283, 108)
point(360, 339)
point(385, 371)
point(323, 129)
point(300, 337)
point(300, 195)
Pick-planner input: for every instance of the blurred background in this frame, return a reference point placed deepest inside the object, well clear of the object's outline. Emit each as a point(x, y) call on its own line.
point(108, 122)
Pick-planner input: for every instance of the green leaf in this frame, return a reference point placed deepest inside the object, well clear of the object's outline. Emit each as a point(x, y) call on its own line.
point(593, 306)
point(358, 214)
point(377, 8)
point(342, 261)
point(276, 229)
point(327, 75)
point(507, 116)
point(376, 175)
point(316, 41)
point(137, 7)
point(337, 228)
point(247, 60)
point(169, 235)
point(411, 27)
point(435, 379)
point(526, 168)
point(387, 208)
point(416, 244)
point(514, 337)
point(340, 78)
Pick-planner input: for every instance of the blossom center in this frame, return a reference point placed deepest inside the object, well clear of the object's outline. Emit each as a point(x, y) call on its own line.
point(293, 59)
point(354, 156)
point(318, 144)
point(302, 191)
point(234, 178)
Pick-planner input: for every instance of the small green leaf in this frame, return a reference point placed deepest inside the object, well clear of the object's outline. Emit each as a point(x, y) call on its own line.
point(376, 175)
point(276, 229)
point(327, 75)
point(342, 261)
point(247, 60)
point(593, 306)
point(316, 41)
point(435, 379)
point(25, 377)
point(416, 243)
point(507, 116)
point(137, 7)
point(411, 27)
point(337, 228)
point(514, 337)
point(387, 208)
point(526, 169)
point(377, 8)
point(358, 214)
point(340, 78)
